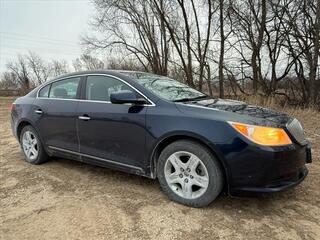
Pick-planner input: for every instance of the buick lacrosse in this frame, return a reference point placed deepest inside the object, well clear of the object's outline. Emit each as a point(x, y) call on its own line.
point(195, 145)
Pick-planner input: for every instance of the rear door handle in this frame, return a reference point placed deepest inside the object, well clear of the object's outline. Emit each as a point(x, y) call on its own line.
point(85, 118)
point(38, 111)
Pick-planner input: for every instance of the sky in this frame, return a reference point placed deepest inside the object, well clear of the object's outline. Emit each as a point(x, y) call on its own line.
point(51, 28)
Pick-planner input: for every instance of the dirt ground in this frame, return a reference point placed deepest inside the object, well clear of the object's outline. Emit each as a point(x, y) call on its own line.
point(64, 199)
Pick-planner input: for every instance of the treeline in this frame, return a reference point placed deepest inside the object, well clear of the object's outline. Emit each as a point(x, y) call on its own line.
point(31, 70)
point(224, 47)
point(244, 46)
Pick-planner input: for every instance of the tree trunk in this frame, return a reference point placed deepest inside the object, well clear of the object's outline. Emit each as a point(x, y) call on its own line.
point(254, 72)
point(313, 71)
point(273, 79)
point(257, 48)
point(209, 80)
point(221, 58)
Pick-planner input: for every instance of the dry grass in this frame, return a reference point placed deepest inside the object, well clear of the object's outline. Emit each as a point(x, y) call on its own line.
point(277, 102)
point(68, 200)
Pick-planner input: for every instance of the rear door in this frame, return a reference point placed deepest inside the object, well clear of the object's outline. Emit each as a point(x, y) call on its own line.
point(55, 113)
point(110, 133)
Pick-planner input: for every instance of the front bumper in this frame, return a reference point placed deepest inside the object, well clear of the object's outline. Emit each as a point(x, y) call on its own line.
point(265, 170)
point(284, 183)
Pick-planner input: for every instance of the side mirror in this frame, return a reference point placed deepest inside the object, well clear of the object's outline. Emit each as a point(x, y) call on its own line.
point(126, 96)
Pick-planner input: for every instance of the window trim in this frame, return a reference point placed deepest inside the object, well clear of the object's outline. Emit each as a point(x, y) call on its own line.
point(151, 103)
point(48, 90)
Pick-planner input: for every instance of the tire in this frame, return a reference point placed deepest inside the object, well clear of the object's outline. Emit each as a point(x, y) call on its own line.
point(36, 154)
point(196, 183)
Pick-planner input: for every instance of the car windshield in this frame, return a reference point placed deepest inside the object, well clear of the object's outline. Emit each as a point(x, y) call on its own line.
point(165, 87)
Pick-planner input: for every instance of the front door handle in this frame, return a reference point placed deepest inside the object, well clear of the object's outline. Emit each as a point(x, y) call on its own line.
point(38, 111)
point(84, 117)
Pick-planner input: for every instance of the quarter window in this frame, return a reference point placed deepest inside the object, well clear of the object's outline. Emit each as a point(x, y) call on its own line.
point(66, 89)
point(99, 88)
point(44, 92)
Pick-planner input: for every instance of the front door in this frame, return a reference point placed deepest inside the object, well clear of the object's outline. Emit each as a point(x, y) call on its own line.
point(110, 133)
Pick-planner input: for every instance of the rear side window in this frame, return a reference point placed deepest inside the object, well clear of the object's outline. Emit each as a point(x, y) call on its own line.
point(99, 88)
point(65, 89)
point(44, 92)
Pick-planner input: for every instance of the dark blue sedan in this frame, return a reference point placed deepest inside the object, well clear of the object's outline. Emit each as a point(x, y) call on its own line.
point(196, 145)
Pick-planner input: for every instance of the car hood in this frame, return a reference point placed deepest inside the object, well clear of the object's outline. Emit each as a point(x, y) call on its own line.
point(264, 115)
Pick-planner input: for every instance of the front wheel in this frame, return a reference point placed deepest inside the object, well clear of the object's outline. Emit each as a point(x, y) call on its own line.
point(189, 173)
point(32, 147)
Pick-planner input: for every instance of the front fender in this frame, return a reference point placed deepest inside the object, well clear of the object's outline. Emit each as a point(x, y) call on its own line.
point(170, 137)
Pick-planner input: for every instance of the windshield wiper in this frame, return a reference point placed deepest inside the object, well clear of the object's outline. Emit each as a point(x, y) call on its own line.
point(191, 99)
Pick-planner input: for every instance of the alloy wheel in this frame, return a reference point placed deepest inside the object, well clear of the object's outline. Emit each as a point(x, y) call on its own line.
point(30, 145)
point(186, 175)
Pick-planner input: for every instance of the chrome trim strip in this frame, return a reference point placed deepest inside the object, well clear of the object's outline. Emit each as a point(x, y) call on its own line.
point(64, 150)
point(38, 111)
point(84, 118)
point(93, 157)
point(74, 100)
point(111, 161)
point(152, 104)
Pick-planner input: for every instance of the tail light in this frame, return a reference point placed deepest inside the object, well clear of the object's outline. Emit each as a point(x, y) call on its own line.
point(13, 107)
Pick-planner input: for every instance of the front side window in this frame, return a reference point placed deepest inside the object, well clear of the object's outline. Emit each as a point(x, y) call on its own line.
point(165, 87)
point(66, 89)
point(99, 88)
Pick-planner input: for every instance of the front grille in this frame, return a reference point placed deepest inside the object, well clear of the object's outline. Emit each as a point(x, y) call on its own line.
point(296, 130)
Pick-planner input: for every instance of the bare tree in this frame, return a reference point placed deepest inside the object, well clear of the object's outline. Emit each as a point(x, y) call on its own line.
point(21, 71)
point(180, 34)
point(314, 89)
point(124, 64)
point(9, 81)
point(302, 42)
point(38, 67)
point(249, 18)
point(222, 48)
point(243, 46)
point(59, 67)
point(87, 62)
point(276, 32)
point(202, 40)
point(134, 28)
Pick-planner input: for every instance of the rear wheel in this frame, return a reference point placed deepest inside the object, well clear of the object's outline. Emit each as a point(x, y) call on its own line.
point(189, 173)
point(32, 147)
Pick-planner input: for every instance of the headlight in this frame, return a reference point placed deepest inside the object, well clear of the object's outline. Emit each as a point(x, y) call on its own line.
point(266, 136)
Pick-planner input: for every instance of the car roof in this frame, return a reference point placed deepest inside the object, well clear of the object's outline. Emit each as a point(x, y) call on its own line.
point(107, 71)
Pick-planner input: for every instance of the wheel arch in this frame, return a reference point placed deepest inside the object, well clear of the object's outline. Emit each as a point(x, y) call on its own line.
point(21, 125)
point(168, 139)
